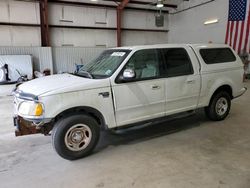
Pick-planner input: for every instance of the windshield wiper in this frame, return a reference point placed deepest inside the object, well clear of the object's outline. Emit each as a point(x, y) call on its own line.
point(84, 73)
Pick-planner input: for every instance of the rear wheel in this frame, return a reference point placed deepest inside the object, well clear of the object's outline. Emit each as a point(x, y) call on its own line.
point(75, 137)
point(219, 106)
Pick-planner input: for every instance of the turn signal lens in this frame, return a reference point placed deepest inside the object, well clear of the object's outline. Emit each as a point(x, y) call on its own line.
point(38, 110)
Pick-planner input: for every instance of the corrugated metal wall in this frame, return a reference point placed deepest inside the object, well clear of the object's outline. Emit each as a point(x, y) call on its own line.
point(65, 58)
point(42, 56)
point(56, 58)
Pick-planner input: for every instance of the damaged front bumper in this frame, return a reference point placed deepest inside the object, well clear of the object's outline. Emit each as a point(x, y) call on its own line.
point(27, 127)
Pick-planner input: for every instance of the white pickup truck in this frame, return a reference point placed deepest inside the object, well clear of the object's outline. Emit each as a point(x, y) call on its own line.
point(125, 87)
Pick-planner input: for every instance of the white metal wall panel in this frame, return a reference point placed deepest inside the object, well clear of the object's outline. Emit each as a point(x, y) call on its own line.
point(5, 36)
point(19, 12)
point(142, 20)
point(81, 16)
point(85, 16)
point(188, 26)
point(20, 36)
point(24, 12)
point(26, 36)
point(4, 11)
point(65, 58)
point(111, 18)
point(42, 56)
point(82, 37)
point(143, 38)
point(14, 11)
point(101, 17)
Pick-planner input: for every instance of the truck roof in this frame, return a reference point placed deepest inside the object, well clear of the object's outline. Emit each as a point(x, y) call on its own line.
point(202, 45)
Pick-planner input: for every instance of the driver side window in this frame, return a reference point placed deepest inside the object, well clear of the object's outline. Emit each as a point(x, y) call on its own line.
point(145, 63)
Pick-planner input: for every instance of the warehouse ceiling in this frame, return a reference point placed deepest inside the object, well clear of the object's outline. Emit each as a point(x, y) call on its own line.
point(141, 4)
point(168, 5)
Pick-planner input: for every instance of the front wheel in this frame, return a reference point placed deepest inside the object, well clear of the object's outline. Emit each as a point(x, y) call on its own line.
point(75, 136)
point(219, 106)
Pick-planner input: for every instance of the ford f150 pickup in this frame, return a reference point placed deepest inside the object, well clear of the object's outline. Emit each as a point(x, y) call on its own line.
point(128, 86)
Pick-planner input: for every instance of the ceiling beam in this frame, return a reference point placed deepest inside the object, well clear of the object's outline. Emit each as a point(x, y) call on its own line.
point(19, 24)
point(77, 3)
point(80, 27)
point(123, 4)
point(74, 3)
point(145, 3)
point(153, 4)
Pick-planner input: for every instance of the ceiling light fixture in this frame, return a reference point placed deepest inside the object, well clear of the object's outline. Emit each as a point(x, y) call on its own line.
point(211, 21)
point(159, 4)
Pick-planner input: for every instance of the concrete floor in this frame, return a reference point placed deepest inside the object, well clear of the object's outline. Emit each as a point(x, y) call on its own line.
point(191, 152)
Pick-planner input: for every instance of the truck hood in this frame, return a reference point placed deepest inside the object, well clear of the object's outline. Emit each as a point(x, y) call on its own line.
point(60, 83)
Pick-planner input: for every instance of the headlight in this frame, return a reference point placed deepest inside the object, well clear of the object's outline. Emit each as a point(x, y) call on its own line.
point(30, 108)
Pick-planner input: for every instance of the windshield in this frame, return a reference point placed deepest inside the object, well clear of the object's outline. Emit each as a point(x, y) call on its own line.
point(104, 65)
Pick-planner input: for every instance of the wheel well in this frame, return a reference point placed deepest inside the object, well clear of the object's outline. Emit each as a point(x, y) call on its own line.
point(225, 88)
point(83, 110)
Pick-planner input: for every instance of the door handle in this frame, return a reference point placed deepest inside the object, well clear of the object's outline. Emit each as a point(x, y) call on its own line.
point(190, 81)
point(155, 87)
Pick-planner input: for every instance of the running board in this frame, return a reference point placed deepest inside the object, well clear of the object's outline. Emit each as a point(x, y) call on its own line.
point(147, 123)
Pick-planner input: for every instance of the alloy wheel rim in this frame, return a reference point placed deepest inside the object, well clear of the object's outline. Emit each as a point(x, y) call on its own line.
point(221, 106)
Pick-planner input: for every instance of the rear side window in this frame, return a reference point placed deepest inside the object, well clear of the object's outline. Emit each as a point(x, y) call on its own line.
point(217, 55)
point(177, 62)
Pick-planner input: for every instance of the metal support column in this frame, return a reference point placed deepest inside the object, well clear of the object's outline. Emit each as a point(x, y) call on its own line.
point(44, 22)
point(119, 11)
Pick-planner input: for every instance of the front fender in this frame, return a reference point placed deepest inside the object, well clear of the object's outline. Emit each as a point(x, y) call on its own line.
point(56, 104)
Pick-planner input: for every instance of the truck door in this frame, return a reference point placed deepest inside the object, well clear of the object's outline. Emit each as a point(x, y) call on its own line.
point(182, 81)
point(143, 97)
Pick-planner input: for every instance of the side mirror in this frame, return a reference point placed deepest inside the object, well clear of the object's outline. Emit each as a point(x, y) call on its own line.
point(128, 74)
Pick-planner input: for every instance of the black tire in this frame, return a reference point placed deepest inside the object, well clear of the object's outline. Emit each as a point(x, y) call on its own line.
point(75, 136)
point(214, 113)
